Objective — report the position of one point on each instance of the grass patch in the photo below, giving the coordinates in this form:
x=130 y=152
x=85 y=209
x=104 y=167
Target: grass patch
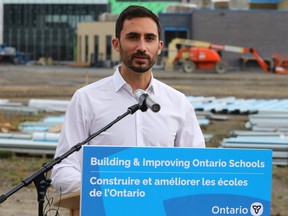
x=13 y=170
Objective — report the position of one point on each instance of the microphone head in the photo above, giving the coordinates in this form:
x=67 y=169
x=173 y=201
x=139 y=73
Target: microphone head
x=138 y=93
x=155 y=107
x=145 y=101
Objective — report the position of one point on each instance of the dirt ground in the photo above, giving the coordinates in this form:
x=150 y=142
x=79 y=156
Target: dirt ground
x=21 y=83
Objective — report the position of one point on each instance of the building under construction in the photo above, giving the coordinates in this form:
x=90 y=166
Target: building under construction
x=45 y=28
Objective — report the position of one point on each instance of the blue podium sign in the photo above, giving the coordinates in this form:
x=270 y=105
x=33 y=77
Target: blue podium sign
x=136 y=181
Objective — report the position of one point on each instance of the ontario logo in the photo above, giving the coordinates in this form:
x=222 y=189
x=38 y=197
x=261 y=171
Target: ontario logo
x=256 y=209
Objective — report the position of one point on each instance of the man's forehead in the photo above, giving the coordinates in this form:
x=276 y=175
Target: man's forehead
x=140 y=25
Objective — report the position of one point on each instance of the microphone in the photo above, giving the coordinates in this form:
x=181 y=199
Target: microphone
x=144 y=100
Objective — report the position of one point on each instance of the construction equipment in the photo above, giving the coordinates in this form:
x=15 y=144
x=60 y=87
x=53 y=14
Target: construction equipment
x=7 y=54
x=280 y=64
x=201 y=58
x=193 y=55
x=11 y=56
x=204 y=55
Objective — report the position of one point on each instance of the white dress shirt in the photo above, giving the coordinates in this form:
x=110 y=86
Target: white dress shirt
x=96 y=105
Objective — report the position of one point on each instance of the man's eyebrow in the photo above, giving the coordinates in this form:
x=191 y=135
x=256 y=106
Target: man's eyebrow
x=136 y=34
x=132 y=33
x=151 y=35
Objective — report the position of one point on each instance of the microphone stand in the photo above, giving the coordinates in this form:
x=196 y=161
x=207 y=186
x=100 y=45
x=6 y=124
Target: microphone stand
x=39 y=177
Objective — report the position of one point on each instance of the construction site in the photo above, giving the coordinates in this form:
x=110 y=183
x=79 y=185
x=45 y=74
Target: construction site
x=254 y=26
x=233 y=109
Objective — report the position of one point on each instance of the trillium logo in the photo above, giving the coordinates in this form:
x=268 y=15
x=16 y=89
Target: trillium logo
x=256 y=209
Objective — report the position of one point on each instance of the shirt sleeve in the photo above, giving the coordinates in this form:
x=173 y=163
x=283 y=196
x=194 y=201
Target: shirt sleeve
x=189 y=134
x=66 y=176
x=66 y=180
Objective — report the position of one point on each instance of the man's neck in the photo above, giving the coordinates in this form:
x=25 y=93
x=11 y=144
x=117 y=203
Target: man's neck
x=136 y=80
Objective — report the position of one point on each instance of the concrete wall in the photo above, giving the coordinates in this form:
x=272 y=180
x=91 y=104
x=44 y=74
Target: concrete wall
x=175 y=20
x=263 y=30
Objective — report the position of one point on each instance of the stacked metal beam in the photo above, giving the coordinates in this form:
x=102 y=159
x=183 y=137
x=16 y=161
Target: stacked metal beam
x=267 y=124
x=268 y=130
x=34 y=137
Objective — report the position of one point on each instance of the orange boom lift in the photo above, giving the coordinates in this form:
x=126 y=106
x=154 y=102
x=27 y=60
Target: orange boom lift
x=206 y=56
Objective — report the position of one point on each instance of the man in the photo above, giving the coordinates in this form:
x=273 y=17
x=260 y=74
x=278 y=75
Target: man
x=96 y=105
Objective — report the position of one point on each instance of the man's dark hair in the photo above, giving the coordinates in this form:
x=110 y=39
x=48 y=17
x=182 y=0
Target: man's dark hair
x=134 y=11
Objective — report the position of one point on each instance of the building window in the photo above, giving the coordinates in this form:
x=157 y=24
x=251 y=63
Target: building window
x=108 y=47
x=79 y=48
x=96 y=50
x=86 y=48
x=51 y=27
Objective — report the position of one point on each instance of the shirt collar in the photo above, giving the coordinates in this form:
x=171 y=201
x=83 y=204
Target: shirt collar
x=119 y=82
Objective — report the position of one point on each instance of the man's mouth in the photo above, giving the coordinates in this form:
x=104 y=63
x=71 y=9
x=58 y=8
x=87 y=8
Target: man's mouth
x=140 y=57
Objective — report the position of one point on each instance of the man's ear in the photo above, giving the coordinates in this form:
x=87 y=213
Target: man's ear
x=160 y=46
x=116 y=44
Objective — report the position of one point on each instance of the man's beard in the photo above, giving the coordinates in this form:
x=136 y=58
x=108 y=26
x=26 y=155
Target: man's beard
x=139 y=68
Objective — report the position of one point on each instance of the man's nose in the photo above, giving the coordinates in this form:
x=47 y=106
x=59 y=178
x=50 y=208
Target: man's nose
x=141 y=45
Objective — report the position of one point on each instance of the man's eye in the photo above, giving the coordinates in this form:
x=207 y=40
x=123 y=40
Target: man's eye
x=132 y=37
x=150 y=38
